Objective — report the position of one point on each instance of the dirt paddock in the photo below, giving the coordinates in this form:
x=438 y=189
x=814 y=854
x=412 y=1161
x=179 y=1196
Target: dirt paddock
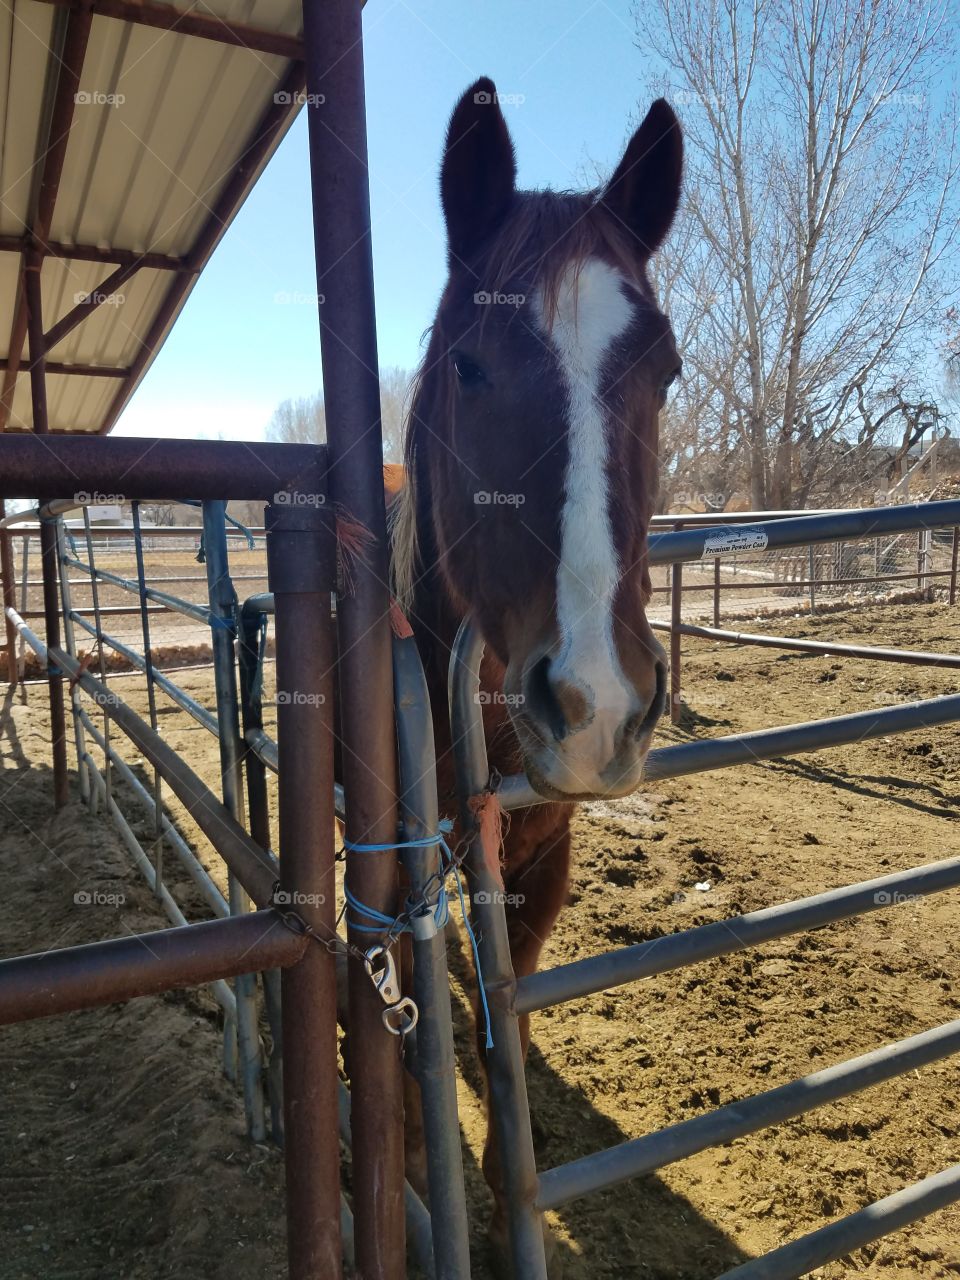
x=125 y=1154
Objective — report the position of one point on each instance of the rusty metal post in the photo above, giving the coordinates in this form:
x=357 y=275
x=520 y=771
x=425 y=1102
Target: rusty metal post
x=49 y=550
x=716 y=591
x=336 y=116
x=301 y=561
x=676 y=616
x=8 y=582
x=955 y=549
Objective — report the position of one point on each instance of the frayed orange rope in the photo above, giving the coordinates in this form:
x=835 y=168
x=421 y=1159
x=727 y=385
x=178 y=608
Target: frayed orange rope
x=490 y=819
x=399 y=622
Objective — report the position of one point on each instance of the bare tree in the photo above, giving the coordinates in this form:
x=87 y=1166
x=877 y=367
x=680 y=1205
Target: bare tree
x=300 y=421
x=304 y=420
x=810 y=270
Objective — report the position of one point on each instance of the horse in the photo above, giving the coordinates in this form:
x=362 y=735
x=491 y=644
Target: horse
x=528 y=482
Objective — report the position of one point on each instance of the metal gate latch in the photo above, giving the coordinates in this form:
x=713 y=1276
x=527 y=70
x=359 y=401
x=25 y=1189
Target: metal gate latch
x=401 y=1014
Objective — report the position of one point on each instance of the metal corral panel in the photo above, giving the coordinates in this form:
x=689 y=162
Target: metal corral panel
x=160 y=123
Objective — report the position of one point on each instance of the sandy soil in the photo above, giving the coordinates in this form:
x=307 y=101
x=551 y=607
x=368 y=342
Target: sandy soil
x=146 y=1156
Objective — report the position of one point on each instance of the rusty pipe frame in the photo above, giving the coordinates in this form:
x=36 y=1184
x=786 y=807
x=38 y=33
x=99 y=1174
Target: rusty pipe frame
x=336 y=116
x=61 y=466
x=8 y=584
x=301 y=560
x=253 y=867
x=99 y=973
x=49 y=542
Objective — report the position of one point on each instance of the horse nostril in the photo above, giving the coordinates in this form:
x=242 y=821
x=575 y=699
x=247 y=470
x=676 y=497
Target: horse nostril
x=542 y=704
x=659 y=700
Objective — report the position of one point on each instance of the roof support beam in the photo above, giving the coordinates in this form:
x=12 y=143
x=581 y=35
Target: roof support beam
x=55 y=370
x=70 y=64
x=93 y=253
x=104 y=292
x=207 y=26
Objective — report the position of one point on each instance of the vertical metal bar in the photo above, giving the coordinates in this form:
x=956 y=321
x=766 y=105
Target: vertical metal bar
x=920 y=560
x=436 y=1070
x=251 y=718
x=676 y=617
x=48 y=538
x=223 y=629
x=812 y=576
x=101 y=659
x=336 y=117
x=301 y=562
x=954 y=550
x=8 y=578
x=85 y=775
x=508 y=1087
x=151 y=690
x=24 y=593
x=716 y=591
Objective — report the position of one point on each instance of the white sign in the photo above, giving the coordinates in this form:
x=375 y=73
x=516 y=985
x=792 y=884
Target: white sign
x=731 y=541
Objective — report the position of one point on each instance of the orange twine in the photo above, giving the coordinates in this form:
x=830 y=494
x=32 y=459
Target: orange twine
x=490 y=818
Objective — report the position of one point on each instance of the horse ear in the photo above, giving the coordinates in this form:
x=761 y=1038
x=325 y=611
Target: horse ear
x=644 y=192
x=479 y=169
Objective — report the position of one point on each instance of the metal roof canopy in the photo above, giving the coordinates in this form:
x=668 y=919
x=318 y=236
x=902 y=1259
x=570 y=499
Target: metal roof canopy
x=131 y=134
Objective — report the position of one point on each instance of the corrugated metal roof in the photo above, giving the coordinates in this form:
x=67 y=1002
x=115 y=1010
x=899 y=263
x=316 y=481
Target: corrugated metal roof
x=168 y=133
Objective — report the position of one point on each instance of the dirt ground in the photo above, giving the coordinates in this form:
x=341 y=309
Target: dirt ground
x=126 y=1155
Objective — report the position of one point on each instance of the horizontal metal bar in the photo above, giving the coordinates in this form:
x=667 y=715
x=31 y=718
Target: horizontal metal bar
x=265 y=749
x=37 y=986
x=60 y=370
x=254 y=867
x=201 y=613
x=678 y=1141
x=723 y=937
x=61 y=466
x=789 y=739
x=92 y=253
x=173 y=691
x=835 y=1241
x=783 y=585
x=912 y=657
x=669 y=520
x=799 y=531
x=191 y=863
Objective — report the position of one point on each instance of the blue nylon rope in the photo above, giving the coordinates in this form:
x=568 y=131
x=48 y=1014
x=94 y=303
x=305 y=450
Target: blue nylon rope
x=442 y=912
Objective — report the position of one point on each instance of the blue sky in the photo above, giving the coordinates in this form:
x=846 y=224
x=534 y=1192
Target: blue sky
x=236 y=352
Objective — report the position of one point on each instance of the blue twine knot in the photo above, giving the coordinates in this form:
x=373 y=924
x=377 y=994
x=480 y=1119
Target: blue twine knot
x=381 y=921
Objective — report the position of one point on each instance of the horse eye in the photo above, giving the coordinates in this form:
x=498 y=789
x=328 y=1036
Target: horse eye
x=671 y=377
x=468 y=371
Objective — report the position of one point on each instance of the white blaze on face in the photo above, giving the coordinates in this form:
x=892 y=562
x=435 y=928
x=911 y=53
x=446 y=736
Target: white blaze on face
x=593 y=311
